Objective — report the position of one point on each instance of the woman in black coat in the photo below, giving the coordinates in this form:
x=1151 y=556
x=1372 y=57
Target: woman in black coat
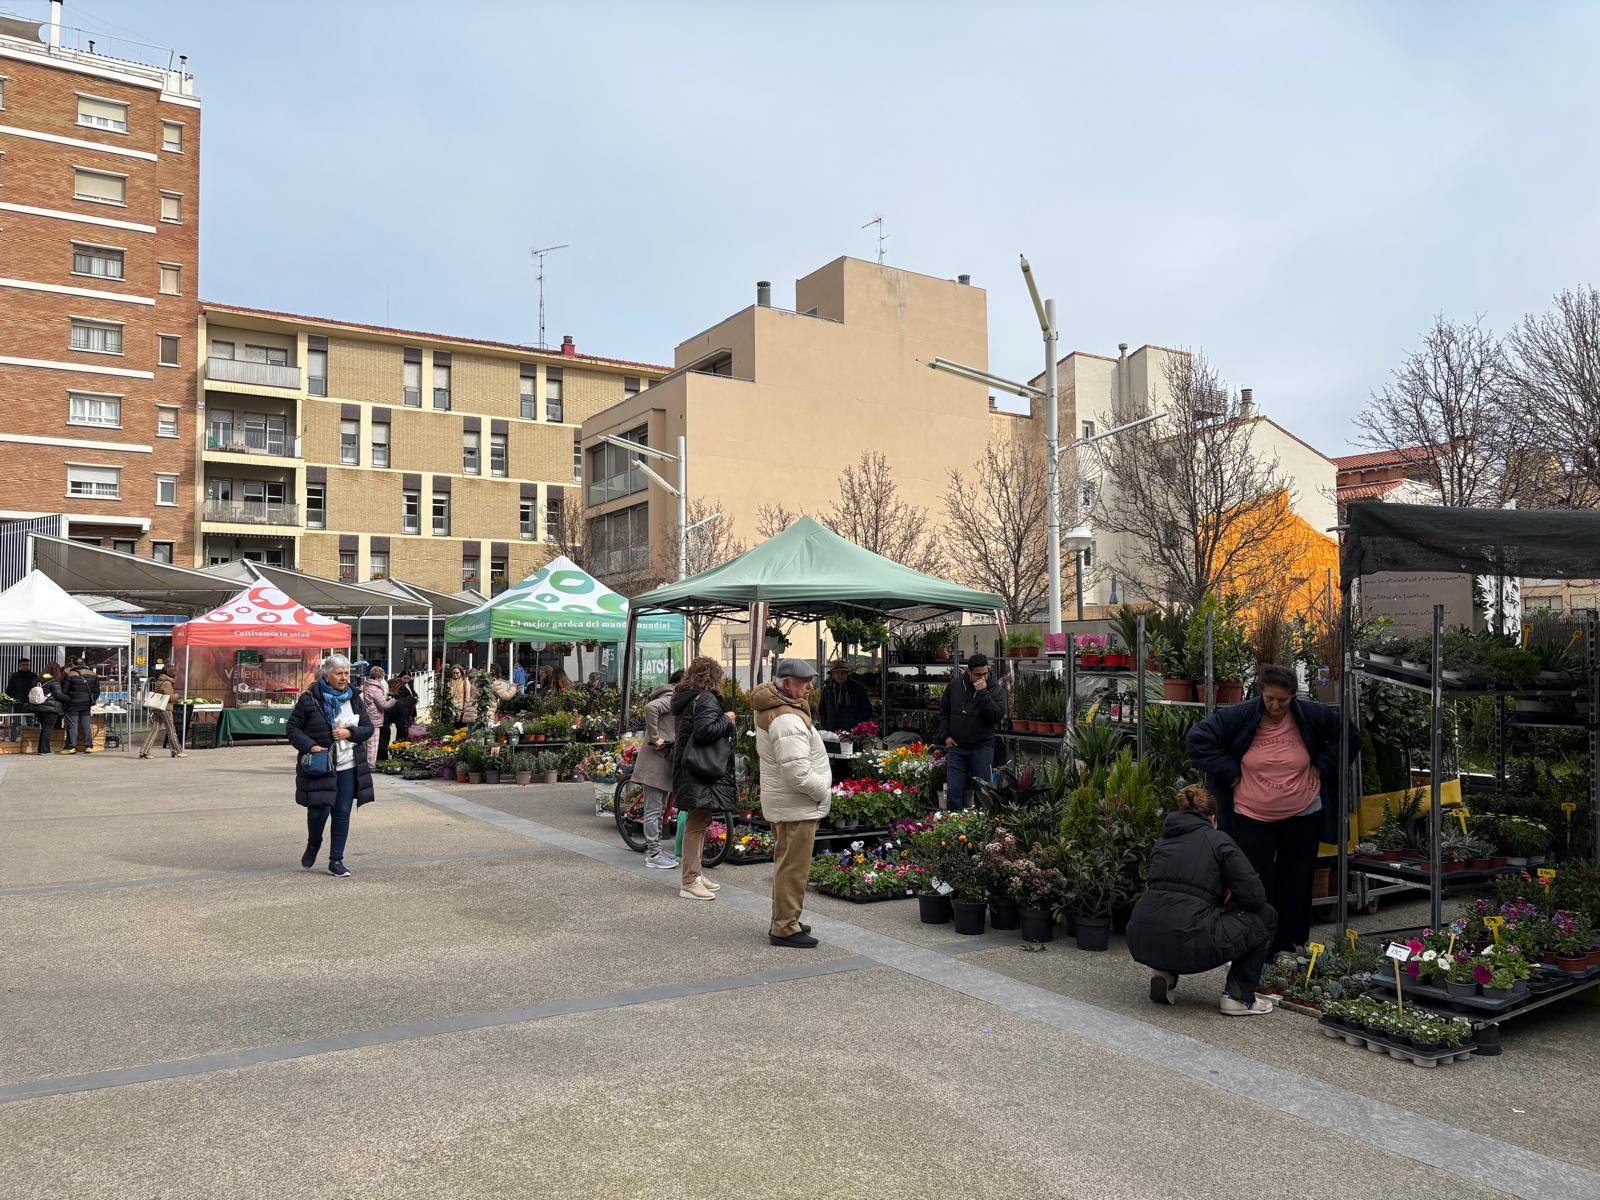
x=1272 y=763
x=702 y=766
x=1181 y=925
x=329 y=722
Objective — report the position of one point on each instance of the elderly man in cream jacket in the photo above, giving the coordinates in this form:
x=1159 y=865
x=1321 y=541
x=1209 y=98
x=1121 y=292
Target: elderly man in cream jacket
x=795 y=787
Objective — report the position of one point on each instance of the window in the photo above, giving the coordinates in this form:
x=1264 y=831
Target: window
x=221 y=349
x=630 y=385
x=411 y=382
x=1586 y=601
x=171 y=279
x=103 y=114
x=553 y=515
x=526 y=521
x=167 y=350
x=1088 y=429
x=99 y=187
x=552 y=395
x=166 y=421
x=380 y=443
x=220 y=489
x=102 y=483
x=172 y=137
x=441 y=383
x=577 y=456
x=469 y=452
x=316 y=505
x=441 y=514
x=619 y=541
x=161 y=552
x=497 y=454
x=497 y=572
x=99 y=337
x=167 y=490
x=347 y=566
x=380 y=565
x=528 y=392
x=613 y=471
x=469 y=570
x=102 y=262
x=276 y=356
x=2 y=91
x=124 y=545
x=317 y=372
x=90 y=408
x=410 y=512
x=350 y=442
x=172 y=208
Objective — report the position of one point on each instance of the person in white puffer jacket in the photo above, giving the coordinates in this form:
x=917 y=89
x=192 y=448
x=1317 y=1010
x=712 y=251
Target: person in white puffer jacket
x=796 y=788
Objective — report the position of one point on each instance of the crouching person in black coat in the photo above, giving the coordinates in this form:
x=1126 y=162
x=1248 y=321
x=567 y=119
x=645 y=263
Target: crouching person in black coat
x=1182 y=926
x=327 y=725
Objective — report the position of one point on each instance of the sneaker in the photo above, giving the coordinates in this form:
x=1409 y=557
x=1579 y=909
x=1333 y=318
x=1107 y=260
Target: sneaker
x=339 y=870
x=660 y=859
x=798 y=941
x=696 y=892
x=181 y=754
x=1162 y=985
x=144 y=756
x=309 y=858
x=707 y=884
x=1258 y=1007
x=89 y=750
x=69 y=751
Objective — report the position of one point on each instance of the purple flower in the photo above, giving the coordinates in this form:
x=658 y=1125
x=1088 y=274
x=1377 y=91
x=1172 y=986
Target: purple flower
x=1482 y=974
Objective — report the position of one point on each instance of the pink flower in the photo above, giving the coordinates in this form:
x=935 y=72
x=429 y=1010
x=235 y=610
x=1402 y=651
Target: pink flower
x=1482 y=974
x=1414 y=946
x=1413 y=969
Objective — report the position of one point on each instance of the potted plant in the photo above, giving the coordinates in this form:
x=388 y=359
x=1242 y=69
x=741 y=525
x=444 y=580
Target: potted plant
x=773 y=640
x=1038 y=886
x=471 y=753
x=1571 y=942
x=547 y=764
x=1094 y=873
x=1091 y=649
x=942 y=640
x=558 y=726
x=1390 y=836
x=1170 y=661
x=1459 y=978
x=1024 y=643
x=503 y=733
x=491 y=765
x=1230 y=647
x=1118 y=657
x=522 y=767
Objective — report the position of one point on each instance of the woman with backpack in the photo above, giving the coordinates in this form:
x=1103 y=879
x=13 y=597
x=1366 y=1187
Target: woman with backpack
x=702 y=767
x=48 y=702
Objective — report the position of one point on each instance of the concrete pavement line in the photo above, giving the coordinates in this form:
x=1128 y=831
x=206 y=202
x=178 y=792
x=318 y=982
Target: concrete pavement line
x=230 y=1060
x=112 y=885
x=1459 y=1152
x=13 y=819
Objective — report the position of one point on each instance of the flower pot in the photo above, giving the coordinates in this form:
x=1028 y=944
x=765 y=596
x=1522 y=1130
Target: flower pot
x=550 y=776
x=1230 y=693
x=934 y=909
x=1457 y=865
x=1094 y=933
x=1480 y=864
x=1023 y=726
x=1497 y=860
x=491 y=776
x=1119 y=662
x=1389 y=855
x=524 y=778
x=1037 y=925
x=461 y=775
x=1573 y=964
x=1090 y=660
x=1177 y=689
x=1469 y=988
x=1516 y=860
x=969 y=916
x=474 y=776
x=1058 y=728
x=846 y=747
x=1322 y=882
x=1003 y=913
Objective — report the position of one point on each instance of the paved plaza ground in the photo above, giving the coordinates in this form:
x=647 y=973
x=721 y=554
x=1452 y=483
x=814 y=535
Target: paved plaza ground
x=504 y=1002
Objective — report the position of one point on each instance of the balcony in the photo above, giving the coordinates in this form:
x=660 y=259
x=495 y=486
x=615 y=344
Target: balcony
x=252 y=512
x=253 y=374
x=628 y=483
x=256 y=442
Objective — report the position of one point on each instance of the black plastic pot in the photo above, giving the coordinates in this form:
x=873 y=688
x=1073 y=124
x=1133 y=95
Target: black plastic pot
x=934 y=910
x=1094 y=933
x=1038 y=925
x=969 y=917
x=1003 y=913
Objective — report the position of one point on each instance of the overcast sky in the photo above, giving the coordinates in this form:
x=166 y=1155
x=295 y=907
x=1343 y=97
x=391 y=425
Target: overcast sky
x=1295 y=188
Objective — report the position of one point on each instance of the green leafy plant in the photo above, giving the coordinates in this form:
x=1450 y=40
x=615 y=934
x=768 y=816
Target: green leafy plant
x=1024 y=639
x=1230 y=641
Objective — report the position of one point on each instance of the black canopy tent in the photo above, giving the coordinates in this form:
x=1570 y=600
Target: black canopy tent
x=1503 y=543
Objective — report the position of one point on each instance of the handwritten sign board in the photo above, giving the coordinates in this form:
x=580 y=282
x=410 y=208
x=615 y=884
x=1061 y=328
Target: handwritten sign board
x=1407 y=599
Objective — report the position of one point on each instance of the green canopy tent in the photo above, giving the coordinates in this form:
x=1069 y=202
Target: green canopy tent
x=560 y=602
x=805 y=573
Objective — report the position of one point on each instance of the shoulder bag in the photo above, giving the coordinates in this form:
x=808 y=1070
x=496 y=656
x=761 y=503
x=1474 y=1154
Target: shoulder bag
x=707 y=761
x=316 y=763
x=156 y=700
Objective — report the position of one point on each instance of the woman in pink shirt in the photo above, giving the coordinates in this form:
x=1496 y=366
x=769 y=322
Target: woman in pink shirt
x=1273 y=765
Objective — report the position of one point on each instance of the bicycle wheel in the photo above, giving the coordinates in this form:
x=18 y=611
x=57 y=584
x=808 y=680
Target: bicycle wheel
x=629 y=806
x=715 y=852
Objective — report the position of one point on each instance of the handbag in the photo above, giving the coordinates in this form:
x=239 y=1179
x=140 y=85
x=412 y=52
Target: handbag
x=707 y=761
x=156 y=700
x=315 y=763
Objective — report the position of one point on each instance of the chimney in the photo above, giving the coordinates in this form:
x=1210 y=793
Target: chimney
x=1247 y=403
x=55 y=23
x=568 y=350
x=964 y=279
x=764 y=293
x=1122 y=349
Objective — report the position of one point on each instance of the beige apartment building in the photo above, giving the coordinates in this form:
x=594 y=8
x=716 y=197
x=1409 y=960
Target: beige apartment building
x=775 y=402
x=355 y=451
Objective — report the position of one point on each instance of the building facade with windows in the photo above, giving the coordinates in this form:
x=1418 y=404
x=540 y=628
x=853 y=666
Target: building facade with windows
x=355 y=451
x=99 y=262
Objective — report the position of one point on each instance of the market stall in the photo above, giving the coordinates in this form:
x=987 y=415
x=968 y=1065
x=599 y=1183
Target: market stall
x=256 y=653
x=36 y=611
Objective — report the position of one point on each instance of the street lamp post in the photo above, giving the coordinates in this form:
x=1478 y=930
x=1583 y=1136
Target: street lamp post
x=681 y=491
x=1052 y=439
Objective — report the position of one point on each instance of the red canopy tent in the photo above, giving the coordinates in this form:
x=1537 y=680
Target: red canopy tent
x=281 y=640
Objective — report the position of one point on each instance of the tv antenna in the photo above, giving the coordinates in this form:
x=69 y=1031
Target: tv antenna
x=882 y=237
x=539 y=255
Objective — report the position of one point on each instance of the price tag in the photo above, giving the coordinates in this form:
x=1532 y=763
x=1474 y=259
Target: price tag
x=1351 y=936
x=1461 y=813
x=1547 y=874
x=1569 y=808
x=1494 y=924
x=1399 y=951
x=943 y=888
x=1316 y=948
x=1400 y=954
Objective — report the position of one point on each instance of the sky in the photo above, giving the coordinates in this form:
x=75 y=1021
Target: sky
x=1293 y=188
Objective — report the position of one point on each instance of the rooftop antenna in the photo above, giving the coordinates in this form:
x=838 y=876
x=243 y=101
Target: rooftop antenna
x=882 y=237
x=539 y=255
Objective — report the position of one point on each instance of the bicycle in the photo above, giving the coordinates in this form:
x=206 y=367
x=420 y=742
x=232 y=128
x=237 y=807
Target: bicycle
x=628 y=806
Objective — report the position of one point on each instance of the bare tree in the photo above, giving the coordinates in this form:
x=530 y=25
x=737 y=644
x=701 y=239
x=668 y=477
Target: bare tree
x=1198 y=508
x=1555 y=373
x=773 y=519
x=870 y=512
x=1444 y=413
x=997 y=515
x=709 y=545
x=569 y=533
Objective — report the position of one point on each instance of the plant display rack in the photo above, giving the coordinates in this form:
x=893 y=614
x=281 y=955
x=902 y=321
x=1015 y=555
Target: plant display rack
x=1382 y=1045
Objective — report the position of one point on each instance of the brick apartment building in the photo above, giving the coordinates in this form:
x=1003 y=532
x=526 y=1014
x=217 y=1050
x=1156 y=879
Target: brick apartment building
x=356 y=451
x=99 y=265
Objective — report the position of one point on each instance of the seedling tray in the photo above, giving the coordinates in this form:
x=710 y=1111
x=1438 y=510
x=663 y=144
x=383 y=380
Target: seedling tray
x=863 y=899
x=1383 y=1045
x=1437 y=997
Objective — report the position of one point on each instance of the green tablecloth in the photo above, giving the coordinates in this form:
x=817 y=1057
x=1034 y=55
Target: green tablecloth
x=269 y=722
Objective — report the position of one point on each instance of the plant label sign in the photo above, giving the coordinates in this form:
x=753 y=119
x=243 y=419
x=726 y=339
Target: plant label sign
x=1494 y=924
x=1399 y=952
x=1547 y=874
x=1462 y=814
x=1316 y=948
x=1352 y=937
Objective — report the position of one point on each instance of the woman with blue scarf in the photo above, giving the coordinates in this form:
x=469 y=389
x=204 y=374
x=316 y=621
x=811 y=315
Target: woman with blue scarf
x=330 y=777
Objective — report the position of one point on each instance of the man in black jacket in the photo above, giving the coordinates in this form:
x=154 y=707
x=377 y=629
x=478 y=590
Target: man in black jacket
x=82 y=687
x=969 y=715
x=845 y=703
x=23 y=680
